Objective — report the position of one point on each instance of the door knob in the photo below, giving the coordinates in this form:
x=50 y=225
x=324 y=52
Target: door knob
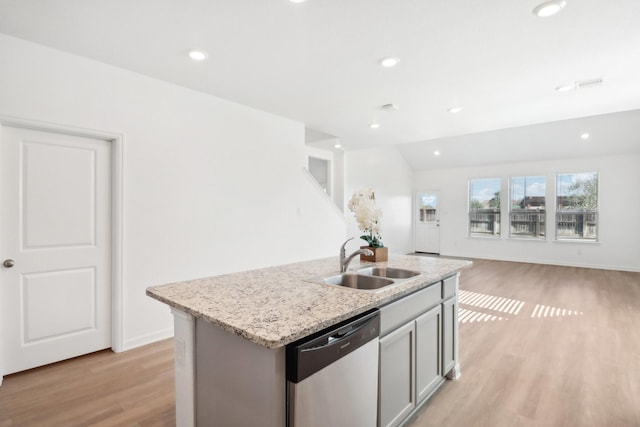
x=8 y=263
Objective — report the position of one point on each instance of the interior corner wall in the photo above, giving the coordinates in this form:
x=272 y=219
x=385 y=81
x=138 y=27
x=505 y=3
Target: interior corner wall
x=210 y=186
x=385 y=171
x=336 y=159
x=339 y=180
x=618 y=205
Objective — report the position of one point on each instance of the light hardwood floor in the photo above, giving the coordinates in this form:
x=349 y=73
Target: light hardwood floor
x=580 y=367
x=133 y=388
x=571 y=370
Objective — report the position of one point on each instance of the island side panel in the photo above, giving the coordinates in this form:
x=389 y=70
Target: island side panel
x=238 y=382
x=184 y=338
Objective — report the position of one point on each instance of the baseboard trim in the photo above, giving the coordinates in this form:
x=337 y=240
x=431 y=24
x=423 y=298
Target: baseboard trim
x=145 y=339
x=546 y=262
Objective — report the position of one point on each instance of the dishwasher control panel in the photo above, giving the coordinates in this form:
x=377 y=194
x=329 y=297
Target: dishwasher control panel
x=311 y=354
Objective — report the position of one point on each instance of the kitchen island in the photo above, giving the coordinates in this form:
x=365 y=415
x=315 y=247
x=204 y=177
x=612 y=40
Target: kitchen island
x=231 y=331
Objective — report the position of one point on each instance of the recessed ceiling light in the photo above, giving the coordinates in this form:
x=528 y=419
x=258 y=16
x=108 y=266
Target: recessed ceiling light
x=436 y=153
x=337 y=145
x=198 y=55
x=549 y=8
x=584 y=136
x=374 y=125
x=454 y=110
x=566 y=87
x=389 y=62
x=297 y=1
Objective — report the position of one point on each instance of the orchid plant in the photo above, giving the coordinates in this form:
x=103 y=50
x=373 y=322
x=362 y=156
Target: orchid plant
x=363 y=205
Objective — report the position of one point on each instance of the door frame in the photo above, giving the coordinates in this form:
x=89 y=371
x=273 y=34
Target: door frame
x=415 y=215
x=117 y=203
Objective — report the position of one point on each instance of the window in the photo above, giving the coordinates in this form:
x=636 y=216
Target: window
x=527 y=207
x=428 y=208
x=577 y=202
x=484 y=207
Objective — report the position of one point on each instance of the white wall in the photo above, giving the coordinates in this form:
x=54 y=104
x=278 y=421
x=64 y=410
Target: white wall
x=388 y=174
x=210 y=186
x=619 y=205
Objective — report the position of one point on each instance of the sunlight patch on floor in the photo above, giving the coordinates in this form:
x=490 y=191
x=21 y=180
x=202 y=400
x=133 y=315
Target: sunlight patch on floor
x=541 y=311
x=471 y=316
x=490 y=302
x=482 y=303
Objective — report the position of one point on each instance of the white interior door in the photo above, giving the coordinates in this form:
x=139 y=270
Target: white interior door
x=55 y=247
x=427 y=222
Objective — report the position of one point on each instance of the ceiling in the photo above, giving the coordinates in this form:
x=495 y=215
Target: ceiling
x=609 y=134
x=318 y=62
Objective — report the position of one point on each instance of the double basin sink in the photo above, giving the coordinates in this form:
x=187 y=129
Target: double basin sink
x=367 y=279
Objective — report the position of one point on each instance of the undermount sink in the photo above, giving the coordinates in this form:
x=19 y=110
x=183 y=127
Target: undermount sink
x=370 y=279
x=355 y=281
x=390 y=272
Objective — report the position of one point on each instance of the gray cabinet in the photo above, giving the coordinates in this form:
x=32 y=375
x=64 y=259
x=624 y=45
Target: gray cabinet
x=449 y=341
x=428 y=352
x=397 y=373
x=418 y=346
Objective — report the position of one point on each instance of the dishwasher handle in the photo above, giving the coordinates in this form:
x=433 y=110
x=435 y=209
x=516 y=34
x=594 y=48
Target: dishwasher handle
x=309 y=356
x=340 y=337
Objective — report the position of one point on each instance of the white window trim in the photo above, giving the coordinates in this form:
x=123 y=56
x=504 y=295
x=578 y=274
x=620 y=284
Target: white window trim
x=546 y=210
x=555 y=211
x=484 y=236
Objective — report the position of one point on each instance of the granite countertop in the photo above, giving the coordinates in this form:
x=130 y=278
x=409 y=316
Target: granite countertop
x=277 y=305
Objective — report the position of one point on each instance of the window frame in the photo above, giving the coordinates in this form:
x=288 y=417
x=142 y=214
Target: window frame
x=510 y=212
x=557 y=211
x=497 y=215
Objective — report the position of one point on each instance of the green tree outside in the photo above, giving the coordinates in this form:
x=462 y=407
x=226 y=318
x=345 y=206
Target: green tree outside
x=583 y=194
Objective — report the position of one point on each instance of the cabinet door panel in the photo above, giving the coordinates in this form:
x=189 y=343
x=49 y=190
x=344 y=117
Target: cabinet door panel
x=397 y=370
x=449 y=316
x=428 y=352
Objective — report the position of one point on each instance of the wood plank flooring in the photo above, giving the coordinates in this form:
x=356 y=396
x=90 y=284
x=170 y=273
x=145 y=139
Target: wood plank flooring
x=545 y=367
x=133 y=388
x=533 y=366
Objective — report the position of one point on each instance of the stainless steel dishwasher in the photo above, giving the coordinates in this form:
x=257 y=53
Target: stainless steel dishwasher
x=332 y=376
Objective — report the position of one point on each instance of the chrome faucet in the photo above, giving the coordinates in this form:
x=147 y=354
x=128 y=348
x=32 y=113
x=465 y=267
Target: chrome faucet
x=344 y=260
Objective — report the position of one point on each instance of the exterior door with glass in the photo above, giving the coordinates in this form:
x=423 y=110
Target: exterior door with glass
x=427 y=222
